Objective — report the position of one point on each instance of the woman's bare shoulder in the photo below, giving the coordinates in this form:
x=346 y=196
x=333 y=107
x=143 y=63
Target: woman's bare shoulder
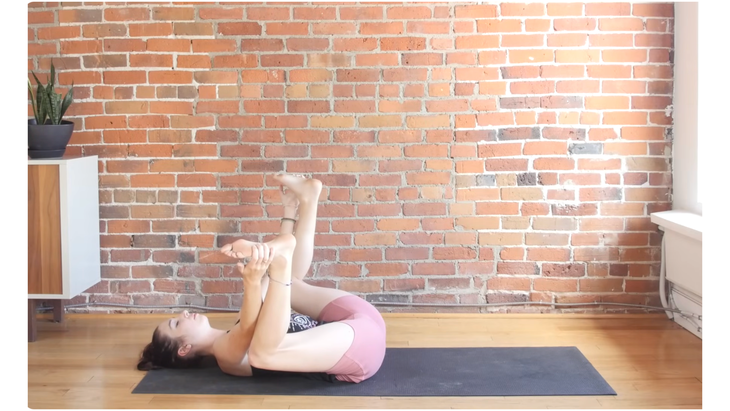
x=240 y=369
x=230 y=360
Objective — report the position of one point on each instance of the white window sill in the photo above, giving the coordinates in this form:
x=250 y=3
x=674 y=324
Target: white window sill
x=684 y=222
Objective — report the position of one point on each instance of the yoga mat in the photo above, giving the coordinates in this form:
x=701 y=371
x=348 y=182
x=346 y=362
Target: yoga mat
x=414 y=372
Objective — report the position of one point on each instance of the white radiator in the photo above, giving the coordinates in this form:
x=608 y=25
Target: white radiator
x=682 y=263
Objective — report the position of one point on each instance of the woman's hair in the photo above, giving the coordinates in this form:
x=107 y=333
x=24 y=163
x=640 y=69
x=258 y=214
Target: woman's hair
x=162 y=353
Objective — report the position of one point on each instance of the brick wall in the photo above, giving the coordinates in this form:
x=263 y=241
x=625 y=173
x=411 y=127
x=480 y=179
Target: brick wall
x=470 y=153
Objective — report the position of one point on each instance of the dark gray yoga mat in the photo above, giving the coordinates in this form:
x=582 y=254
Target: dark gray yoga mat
x=414 y=372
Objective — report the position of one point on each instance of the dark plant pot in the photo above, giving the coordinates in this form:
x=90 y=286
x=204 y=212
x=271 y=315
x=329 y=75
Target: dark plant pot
x=48 y=140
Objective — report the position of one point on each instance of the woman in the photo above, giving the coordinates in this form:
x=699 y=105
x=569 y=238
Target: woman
x=348 y=345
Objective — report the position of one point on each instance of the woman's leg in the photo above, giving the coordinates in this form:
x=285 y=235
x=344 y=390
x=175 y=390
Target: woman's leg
x=310 y=300
x=301 y=195
x=306 y=299
x=321 y=348
x=307 y=193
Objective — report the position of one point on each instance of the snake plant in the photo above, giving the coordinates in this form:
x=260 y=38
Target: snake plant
x=48 y=107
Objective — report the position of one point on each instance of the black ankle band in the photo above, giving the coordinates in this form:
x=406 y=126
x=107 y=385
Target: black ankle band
x=290 y=219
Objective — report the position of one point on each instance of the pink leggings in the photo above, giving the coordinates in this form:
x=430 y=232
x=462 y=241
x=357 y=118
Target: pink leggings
x=365 y=356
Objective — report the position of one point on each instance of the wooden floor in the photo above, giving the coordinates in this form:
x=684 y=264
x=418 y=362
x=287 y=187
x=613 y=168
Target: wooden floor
x=89 y=361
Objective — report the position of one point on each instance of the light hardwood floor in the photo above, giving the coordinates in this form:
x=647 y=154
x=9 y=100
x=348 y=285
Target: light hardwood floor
x=89 y=361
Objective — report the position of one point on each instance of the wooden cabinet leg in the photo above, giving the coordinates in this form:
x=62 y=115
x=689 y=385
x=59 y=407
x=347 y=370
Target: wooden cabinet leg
x=32 y=322
x=58 y=309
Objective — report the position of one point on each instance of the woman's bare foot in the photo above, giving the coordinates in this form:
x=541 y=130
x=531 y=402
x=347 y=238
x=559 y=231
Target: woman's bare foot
x=244 y=249
x=306 y=190
x=289 y=199
x=255 y=269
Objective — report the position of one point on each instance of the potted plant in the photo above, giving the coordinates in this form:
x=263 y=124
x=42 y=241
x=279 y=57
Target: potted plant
x=48 y=132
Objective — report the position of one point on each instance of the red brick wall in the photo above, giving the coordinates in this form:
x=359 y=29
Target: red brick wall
x=470 y=153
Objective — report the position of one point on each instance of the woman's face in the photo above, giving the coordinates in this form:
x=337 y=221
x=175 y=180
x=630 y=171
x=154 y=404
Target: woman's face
x=186 y=326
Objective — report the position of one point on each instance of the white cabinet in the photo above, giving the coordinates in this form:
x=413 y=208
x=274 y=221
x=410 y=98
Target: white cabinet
x=63 y=229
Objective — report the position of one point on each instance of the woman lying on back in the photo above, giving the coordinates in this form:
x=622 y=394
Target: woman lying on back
x=348 y=344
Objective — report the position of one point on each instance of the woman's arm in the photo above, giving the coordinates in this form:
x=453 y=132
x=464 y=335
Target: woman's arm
x=233 y=347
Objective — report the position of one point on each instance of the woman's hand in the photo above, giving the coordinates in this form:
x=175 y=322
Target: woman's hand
x=261 y=258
